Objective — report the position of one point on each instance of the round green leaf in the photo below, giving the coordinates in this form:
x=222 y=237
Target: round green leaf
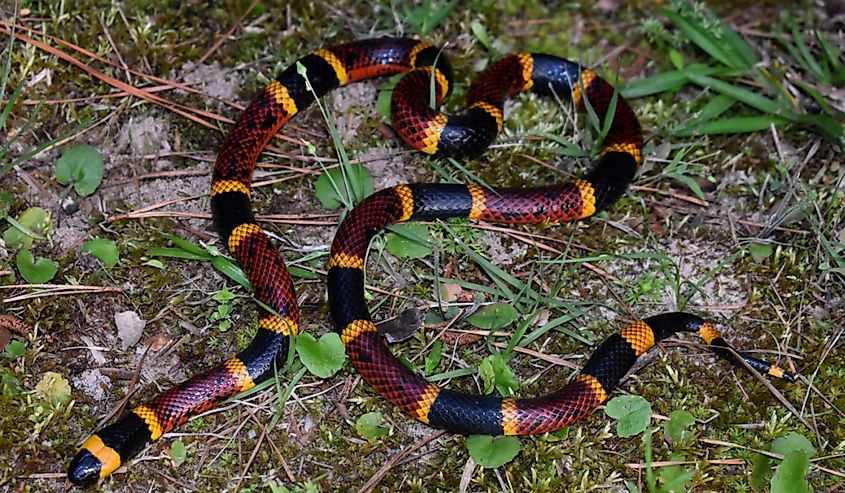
x=495 y=316
x=491 y=452
x=790 y=475
x=323 y=358
x=178 y=453
x=760 y=251
x=15 y=348
x=81 y=165
x=32 y=223
x=793 y=441
x=408 y=241
x=105 y=250
x=369 y=426
x=334 y=187
x=678 y=422
x=35 y=272
x=633 y=413
x=10 y=384
x=761 y=470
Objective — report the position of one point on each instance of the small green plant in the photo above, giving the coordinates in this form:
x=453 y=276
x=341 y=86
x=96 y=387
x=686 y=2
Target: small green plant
x=14 y=348
x=831 y=241
x=649 y=286
x=50 y=400
x=12 y=136
x=676 y=426
x=343 y=186
x=323 y=357
x=9 y=384
x=427 y=15
x=760 y=251
x=490 y=452
x=463 y=236
x=82 y=167
x=790 y=475
x=828 y=68
x=32 y=224
x=224 y=299
x=307 y=487
x=103 y=249
x=54 y=388
x=633 y=413
x=495 y=373
x=346 y=185
x=35 y=271
x=483 y=36
x=494 y=316
x=434 y=357
x=684 y=172
x=369 y=426
x=408 y=241
x=672 y=479
x=178 y=452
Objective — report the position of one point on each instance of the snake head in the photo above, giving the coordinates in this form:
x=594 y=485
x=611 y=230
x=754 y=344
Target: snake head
x=84 y=469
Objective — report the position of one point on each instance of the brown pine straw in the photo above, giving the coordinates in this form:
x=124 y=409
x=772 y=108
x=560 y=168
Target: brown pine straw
x=198 y=116
x=55 y=290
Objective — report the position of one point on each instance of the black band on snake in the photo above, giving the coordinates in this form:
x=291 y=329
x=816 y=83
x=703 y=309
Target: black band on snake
x=431 y=132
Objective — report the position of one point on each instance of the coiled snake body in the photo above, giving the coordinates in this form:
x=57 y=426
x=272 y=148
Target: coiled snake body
x=433 y=133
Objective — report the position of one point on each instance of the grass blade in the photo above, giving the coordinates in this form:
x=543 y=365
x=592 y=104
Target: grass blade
x=567 y=148
x=709 y=111
x=807 y=60
x=704 y=39
x=746 y=96
x=740 y=124
x=733 y=39
x=171 y=252
x=10 y=104
x=826 y=125
x=7 y=67
x=666 y=81
x=44 y=145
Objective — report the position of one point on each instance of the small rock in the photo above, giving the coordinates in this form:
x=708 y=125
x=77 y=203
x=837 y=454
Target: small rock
x=93 y=384
x=129 y=328
x=69 y=206
x=309 y=425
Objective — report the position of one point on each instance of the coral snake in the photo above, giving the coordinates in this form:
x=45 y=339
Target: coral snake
x=437 y=134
